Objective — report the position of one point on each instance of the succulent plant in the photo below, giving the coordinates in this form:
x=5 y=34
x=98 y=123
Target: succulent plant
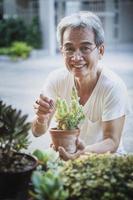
x=13 y=129
x=46 y=180
x=13 y=133
x=68 y=116
x=103 y=177
x=48 y=186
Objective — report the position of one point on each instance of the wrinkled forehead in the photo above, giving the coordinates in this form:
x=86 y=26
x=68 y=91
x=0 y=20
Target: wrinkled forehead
x=78 y=35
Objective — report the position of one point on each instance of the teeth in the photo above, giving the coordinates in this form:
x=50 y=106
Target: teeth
x=79 y=66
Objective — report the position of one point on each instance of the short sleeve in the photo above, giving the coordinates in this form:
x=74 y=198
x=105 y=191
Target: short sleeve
x=116 y=102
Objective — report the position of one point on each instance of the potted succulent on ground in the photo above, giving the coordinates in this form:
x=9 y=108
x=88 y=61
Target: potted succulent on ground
x=15 y=167
x=68 y=117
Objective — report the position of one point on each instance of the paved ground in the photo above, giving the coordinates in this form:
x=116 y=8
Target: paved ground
x=21 y=82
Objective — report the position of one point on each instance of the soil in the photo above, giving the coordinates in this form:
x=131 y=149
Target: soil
x=17 y=163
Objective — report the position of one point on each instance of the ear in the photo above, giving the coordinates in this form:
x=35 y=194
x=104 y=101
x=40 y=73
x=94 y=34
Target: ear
x=101 y=51
x=61 y=50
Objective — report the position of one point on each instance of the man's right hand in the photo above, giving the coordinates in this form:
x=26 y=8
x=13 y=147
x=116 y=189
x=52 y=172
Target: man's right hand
x=44 y=108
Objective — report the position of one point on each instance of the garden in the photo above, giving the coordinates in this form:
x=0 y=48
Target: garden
x=45 y=176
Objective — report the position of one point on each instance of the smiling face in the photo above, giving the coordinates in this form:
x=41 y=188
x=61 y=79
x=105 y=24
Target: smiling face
x=80 y=52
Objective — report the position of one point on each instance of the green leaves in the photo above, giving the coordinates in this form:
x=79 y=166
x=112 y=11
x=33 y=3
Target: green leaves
x=15 y=29
x=48 y=186
x=47 y=159
x=46 y=180
x=102 y=177
x=20 y=49
x=69 y=116
x=90 y=177
x=13 y=129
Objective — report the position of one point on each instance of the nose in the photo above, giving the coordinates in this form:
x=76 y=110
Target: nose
x=77 y=55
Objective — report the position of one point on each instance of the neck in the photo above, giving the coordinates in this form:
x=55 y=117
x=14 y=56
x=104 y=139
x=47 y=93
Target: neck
x=87 y=83
x=86 y=86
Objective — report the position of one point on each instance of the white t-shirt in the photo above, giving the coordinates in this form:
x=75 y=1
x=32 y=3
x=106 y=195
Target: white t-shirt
x=108 y=101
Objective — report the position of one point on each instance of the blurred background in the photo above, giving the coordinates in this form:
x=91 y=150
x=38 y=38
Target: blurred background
x=35 y=21
x=29 y=50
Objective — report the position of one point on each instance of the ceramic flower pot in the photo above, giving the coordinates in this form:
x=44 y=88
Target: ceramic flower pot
x=65 y=138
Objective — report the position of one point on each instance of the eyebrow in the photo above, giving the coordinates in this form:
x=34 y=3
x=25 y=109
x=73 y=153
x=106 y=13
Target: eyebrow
x=87 y=43
x=82 y=43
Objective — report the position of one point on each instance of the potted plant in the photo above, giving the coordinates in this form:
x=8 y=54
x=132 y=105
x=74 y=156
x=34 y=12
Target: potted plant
x=15 y=167
x=68 y=117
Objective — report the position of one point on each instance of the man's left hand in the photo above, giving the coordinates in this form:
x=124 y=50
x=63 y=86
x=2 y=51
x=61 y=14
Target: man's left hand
x=68 y=156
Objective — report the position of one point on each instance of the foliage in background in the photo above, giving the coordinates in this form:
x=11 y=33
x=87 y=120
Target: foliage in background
x=17 y=50
x=12 y=30
x=102 y=177
x=15 y=29
x=69 y=116
x=34 y=36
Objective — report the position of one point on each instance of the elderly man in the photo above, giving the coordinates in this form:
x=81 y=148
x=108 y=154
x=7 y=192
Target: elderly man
x=102 y=93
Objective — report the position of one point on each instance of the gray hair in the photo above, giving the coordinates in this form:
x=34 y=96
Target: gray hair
x=84 y=20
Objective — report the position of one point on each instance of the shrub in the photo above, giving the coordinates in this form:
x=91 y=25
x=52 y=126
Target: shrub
x=12 y=30
x=17 y=50
x=20 y=49
x=102 y=177
x=34 y=36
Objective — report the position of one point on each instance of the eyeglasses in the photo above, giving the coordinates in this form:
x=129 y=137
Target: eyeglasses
x=84 y=50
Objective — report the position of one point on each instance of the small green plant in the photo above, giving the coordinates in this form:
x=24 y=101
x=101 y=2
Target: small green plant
x=20 y=49
x=17 y=50
x=46 y=180
x=13 y=134
x=48 y=186
x=47 y=159
x=102 y=177
x=69 y=116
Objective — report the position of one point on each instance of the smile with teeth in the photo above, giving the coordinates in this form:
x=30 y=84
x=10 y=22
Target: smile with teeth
x=79 y=66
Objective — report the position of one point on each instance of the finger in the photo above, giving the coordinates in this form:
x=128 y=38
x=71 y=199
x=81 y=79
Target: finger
x=42 y=106
x=42 y=111
x=44 y=98
x=53 y=147
x=63 y=154
x=44 y=103
x=49 y=101
x=80 y=144
x=42 y=117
